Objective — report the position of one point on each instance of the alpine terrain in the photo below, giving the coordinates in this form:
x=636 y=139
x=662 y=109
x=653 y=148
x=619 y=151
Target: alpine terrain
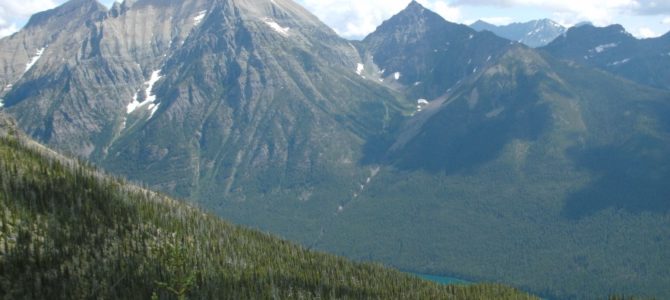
x=536 y=33
x=427 y=146
x=612 y=49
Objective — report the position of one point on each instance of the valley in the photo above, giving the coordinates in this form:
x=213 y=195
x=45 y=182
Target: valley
x=427 y=146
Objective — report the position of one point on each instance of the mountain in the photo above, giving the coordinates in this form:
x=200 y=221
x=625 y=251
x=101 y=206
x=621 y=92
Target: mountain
x=69 y=232
x=534 y=34
x=424 y=55
x=427 y=146
x=612 y=49
x=235 y=104
x=532 y=165
x=529 y=158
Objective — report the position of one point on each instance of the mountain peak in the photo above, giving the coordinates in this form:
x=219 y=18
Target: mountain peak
x=414 y=15
x=481 y=22
x=588 y=31
x=416 y=9
x=413 y=3
x=68 y=11
x=535 y=33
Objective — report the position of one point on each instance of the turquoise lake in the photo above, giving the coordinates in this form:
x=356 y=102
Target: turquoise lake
x=442 y=280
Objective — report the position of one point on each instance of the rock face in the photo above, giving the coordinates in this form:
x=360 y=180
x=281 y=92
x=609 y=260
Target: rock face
x=428 y=145
x=7 y=125
x=614 y=50
x=232 y=103
x=426 y=54
x=534 y=34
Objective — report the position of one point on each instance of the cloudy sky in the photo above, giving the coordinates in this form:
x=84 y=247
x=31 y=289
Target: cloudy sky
x=356 y=18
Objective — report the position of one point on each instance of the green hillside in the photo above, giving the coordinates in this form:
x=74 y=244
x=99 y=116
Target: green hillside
x=550 y=176
x=68 y=232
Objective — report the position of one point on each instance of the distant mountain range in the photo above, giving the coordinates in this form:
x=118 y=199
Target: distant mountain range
x=612 y=49
x=535 y=33
x=428 y=145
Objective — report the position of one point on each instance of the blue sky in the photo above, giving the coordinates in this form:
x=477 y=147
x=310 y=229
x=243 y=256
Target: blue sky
x=356 y=18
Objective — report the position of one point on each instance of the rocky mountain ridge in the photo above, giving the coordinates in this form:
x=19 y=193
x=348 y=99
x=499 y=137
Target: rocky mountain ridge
x=536 y=33
x=612 y=49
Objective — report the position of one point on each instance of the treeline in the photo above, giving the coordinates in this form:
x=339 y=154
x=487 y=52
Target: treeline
x=68 y=232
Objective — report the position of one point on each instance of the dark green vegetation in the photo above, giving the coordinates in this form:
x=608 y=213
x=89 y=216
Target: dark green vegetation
x=67 y=232
x=532 y=173
x=526 y=169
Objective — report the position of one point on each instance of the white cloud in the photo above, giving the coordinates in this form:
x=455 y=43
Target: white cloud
x=8 y=30
x=13 y=13
x=666 y=21
x=499 y=21
x=443 y=9
x=570 y=11
x=646 y=32
x=356 y=18
x=653 y=7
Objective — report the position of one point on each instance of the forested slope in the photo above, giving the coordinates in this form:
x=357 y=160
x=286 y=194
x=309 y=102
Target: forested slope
x=69 y=232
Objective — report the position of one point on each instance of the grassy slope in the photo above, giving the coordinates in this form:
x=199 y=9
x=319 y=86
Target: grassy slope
x=67 y=232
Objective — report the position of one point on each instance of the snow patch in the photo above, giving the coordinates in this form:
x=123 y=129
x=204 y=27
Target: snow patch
x=396 y=75
x=132 y=106
x=2 y=103
x=153 y=108
x=474 y=70
x=34 y=59
x=360 y=68
x=155 y=77
x=471 y=36
x=494 y=113
x=374 y=171
x=420 y=104
x=151 y=98
x=417 y=83
x=602 y=48
x=489 y=58
x=621 y=62
x=276 y=27
x=199 y=17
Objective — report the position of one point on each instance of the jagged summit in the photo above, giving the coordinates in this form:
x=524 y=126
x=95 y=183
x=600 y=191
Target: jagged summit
x=414 y=5
x=421 y=51
x=413 y=14
x=71 y=11
x=534 y=33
